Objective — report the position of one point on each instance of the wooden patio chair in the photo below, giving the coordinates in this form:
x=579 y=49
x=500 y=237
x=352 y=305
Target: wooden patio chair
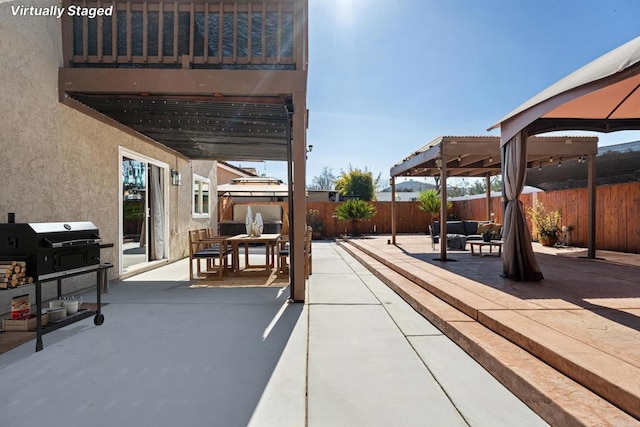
x=214 y=250
x=282 y=248
x=283 y=254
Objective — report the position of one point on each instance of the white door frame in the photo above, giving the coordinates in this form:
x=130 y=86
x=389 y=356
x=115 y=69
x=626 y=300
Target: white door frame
x=125 y=152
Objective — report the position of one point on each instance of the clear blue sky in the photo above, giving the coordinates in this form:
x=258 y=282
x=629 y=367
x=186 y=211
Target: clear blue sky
x=388 y=76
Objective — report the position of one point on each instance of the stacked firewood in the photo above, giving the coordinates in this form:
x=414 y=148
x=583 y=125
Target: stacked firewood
x=13 y=274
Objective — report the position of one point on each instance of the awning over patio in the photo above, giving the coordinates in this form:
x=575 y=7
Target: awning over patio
x=479 y=156
x=602 y=96
x=203 y=127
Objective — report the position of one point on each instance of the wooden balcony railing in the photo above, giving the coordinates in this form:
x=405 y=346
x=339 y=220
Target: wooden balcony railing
x=187 y=34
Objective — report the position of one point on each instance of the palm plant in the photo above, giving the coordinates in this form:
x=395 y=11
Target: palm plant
x=429 y=201
x=355 y=211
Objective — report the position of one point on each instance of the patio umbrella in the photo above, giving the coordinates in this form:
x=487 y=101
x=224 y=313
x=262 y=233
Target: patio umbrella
x=602 y=96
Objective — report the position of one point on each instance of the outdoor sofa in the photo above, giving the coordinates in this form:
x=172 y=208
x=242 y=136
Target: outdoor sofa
x=271 y=218
x=469 y=229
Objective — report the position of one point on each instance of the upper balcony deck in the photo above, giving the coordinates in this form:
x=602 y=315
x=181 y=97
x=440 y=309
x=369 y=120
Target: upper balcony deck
x=193 y=34
x=243 y=62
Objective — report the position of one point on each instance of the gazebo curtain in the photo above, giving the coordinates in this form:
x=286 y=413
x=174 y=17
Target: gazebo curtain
x=519 y=262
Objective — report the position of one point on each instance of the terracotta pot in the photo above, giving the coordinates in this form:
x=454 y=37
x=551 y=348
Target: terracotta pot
x=548 y=241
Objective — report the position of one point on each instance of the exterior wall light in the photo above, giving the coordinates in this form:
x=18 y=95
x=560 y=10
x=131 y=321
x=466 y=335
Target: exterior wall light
x=176 y=178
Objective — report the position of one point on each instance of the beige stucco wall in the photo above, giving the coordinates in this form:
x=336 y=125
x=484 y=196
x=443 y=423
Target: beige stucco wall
x=59 y=164
x=225 y=176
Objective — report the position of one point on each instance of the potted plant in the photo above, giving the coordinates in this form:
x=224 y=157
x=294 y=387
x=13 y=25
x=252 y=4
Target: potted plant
x=355 y=210
x=547 y=223
x=314 y=220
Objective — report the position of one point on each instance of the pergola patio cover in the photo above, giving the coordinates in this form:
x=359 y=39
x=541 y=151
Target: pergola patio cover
x=602 y=96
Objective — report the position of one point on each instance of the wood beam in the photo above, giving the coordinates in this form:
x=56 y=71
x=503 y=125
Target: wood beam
x=181 y=82
x=416 y=161
x=299 y=194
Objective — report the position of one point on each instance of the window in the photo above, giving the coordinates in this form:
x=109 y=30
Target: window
x=200 y=196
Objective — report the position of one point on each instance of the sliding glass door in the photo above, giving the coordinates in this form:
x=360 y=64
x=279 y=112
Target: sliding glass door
x=143 y=216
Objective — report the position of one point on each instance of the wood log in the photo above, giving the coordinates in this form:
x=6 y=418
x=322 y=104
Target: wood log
x=14 y=263
x=3 y=285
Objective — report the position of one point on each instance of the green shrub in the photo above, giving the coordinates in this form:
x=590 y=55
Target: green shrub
x=354 y=211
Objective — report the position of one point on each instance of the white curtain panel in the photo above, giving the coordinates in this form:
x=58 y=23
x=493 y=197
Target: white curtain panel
x=156 y=202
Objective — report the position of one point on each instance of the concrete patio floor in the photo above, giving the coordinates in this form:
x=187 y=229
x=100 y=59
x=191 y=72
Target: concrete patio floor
x=355 y=354
x=569 y=345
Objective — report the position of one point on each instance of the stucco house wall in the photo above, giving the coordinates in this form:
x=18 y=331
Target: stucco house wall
x=227 y=173
x=59 y=164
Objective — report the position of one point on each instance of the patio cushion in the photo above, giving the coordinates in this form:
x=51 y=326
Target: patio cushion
x=483 y=228
x=455 y=227
x=209 y=252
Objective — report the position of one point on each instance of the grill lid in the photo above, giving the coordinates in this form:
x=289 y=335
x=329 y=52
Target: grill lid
x=61 y=227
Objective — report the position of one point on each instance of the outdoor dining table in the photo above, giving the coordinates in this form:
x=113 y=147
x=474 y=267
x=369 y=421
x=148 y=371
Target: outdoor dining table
x=269 y=240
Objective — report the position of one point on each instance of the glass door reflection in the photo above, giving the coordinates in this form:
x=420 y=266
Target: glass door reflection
x=134 y=212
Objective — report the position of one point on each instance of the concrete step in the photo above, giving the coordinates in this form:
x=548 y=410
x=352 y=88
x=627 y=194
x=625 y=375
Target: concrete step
x=536 y=363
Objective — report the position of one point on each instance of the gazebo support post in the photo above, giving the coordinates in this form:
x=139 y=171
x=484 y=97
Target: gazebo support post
x=488 y=184
x=591 y=221
x=393 y=210
x=443 y=209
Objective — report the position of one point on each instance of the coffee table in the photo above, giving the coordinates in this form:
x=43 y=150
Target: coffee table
x=492 y=244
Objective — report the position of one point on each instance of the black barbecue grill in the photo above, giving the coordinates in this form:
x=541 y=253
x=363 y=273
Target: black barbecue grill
x=53 y=251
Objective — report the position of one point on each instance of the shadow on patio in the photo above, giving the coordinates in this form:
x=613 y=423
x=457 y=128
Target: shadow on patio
x=155 y=354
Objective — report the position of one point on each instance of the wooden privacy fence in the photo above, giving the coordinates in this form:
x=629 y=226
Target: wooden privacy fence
x=617 y=215
x=409 y=219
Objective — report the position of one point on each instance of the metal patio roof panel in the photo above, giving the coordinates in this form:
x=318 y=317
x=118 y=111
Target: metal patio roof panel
x=200 y=127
